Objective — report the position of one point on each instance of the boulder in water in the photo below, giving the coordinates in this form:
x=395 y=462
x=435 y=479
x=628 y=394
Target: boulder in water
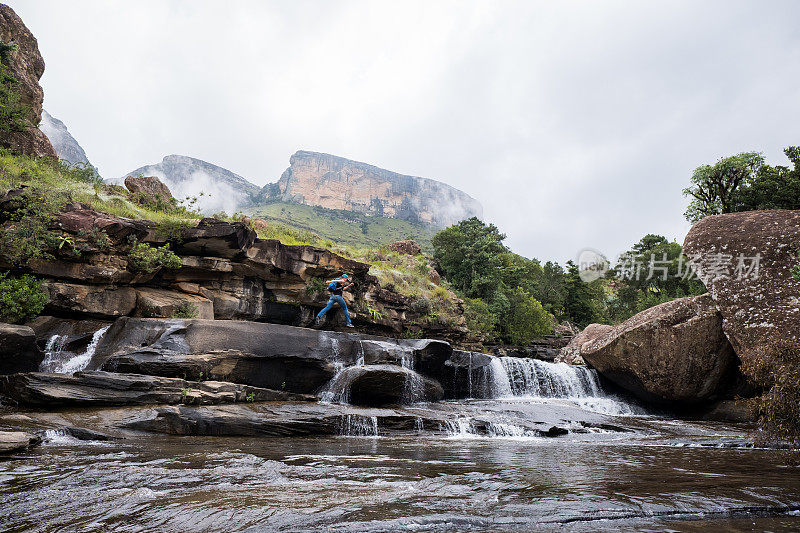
x=18 y=349
x=745 y=261
x=571 y=353
x=675 y=352
x=17 y=441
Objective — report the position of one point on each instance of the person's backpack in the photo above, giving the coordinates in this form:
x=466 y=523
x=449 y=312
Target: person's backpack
x=333 y=286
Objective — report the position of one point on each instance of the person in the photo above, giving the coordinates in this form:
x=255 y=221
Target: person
x=337 y=287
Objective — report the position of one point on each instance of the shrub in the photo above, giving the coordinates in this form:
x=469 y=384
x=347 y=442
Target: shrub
x=186 y=310
x=480 y=320
x=776 y=370
x=145 y=258
x=796 y=269
x=13 y=114
x=21 y=298
x=315 y=286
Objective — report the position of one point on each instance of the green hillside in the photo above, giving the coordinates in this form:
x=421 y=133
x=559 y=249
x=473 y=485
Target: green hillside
x=344 y=227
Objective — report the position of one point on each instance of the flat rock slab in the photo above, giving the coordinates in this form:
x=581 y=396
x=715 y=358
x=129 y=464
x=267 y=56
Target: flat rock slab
x=98 y=388
x=17 y=441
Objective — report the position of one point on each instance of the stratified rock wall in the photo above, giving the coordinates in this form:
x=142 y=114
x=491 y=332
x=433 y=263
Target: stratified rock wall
x=27 y=66
x=337 y=183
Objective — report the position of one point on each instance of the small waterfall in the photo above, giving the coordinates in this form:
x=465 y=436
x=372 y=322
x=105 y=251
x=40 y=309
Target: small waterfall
x=359 y=426
x=460 y=427
x=360 y=358
x=61 y=361
x=338 y=388
x=513 y=376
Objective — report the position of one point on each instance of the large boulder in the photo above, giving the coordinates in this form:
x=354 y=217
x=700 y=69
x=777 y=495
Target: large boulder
x=27 y=66
x=406 y=247
x=571 y=353
x=105 y=388
x=674 y=353
x=18 y=349
x=745 y=261
x=149 y=189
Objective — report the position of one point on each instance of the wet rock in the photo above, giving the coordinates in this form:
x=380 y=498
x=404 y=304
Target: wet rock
x=149 y=189
x=731 y=411
x=161 y=303
x=376 y=385
x=673 y=353
x=17 y=441
x=214 y=237
x=407 y=247
x=757 y=305
x=97 y=301
x=106 y=388
x=426 y=356
x=469 y=375
x=270 y=355
x=571 y=353
x=27 y=66
x=18 y=349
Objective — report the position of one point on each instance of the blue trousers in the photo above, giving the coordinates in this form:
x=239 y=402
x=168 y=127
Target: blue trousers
x=335 y=299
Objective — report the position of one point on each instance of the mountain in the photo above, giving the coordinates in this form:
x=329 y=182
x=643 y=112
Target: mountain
x=189 y=177
x=337 y=183
x=67 y=148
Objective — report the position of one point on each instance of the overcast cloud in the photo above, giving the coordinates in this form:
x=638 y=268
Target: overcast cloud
x=574 y=123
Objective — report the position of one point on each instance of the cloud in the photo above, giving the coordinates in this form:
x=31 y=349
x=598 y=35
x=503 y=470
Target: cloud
x=574 y=123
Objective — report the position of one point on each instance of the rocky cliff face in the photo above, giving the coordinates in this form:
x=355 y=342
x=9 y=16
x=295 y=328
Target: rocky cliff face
x=66 y=147
x=186 y=176
x=337 y=183
x=27 y=66
x=225 y=273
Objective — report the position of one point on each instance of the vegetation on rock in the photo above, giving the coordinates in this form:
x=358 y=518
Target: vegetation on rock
x=776 y=370
x=21 y=298
x=13 y=114
x=145 y=258
x=743 y=183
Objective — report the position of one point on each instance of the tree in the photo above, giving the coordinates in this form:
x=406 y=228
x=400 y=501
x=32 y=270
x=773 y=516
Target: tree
x=581 y=301
x=773 y=187
x=470 y=254
x=715 y=188
x=650 y=273
x=526 y=320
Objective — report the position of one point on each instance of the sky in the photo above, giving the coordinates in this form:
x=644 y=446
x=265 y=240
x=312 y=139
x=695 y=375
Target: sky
x=575 y=123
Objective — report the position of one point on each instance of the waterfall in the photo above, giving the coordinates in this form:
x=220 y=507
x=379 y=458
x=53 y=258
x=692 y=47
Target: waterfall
x=540 y=379
x=359 y=426
x=64 y=362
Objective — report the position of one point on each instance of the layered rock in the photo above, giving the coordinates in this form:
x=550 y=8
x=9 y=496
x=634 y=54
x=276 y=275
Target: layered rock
x=674 y=353
x=226 y=273
x=745 y=261
x=105 y=388
x=264 y=355
x=337 y=183
x=18 y=349
x=27 y=66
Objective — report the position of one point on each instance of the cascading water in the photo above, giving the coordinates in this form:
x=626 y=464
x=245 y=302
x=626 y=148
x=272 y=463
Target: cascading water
x=61 y=361
x=359 y=426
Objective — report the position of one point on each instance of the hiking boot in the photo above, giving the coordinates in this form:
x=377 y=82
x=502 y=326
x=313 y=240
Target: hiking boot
x=350 y=325
x=317 y=322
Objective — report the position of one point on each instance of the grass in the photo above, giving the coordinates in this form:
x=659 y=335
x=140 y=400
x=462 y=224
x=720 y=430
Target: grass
x=344 y=227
